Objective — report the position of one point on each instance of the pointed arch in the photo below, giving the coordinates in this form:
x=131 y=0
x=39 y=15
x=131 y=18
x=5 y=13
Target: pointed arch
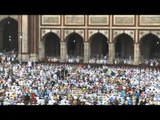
x=9 y=34
x=98 y=45
x=150 y=46
x=75 y=45
x=124 y=46
x=51 y=44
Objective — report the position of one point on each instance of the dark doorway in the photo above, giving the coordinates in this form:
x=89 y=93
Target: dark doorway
x=124 y=46
x=9 y=34
x=150 y=47
x=52 y=45
x=75 y=45
x=99 y=45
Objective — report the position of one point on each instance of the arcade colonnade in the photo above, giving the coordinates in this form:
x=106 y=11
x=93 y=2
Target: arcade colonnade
x=85 y=36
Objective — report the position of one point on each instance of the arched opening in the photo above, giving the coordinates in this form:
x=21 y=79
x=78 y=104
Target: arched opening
x=75 y=47
x=8 y=35
x=98 y=45
x=150 y=47
x=124 y=47
x=52 y=45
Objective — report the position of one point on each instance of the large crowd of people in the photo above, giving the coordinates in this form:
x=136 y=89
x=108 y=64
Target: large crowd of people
x=68 y=59
x=33 y=83
x=123 y=61
x=150 y=62
x=101 y=60
x=10 y=56
x=56 y=84
x=74 y=59
x=51 y=59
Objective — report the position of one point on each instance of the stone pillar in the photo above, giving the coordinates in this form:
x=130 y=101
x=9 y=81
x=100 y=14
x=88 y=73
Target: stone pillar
x=86 y=52
x=111 y=52
x=20 y=37
x=1 y=38
x=23 y=37
x=33 y=37
x=63 y=51
x=41 y=52
x=136 y=54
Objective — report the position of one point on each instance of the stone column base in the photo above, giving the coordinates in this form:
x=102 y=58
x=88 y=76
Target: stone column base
x=85 y=61
x=62 y=60
x=19 y=57
x=33 y=57
x=23 y=57
x=136 y=63
x=111 y=53
x=41 y=53
x=63 y=52
x=136 y=54
x=86 y=52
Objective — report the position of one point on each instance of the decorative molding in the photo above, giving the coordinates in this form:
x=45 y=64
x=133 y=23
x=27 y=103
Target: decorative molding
x=128 y=32
x=121 y=20
x=70 y=31
x=15 y=17
x=104 y=32
x=67 y=32
x=149 y=20
x=98 y=20
x=74 y=20
x=46 y=31
x=50 y=19
x=143 y=33
x=80 y=32
x=156 y=33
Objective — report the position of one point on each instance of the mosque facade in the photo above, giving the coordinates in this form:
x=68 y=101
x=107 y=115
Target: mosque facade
x=35 y=37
